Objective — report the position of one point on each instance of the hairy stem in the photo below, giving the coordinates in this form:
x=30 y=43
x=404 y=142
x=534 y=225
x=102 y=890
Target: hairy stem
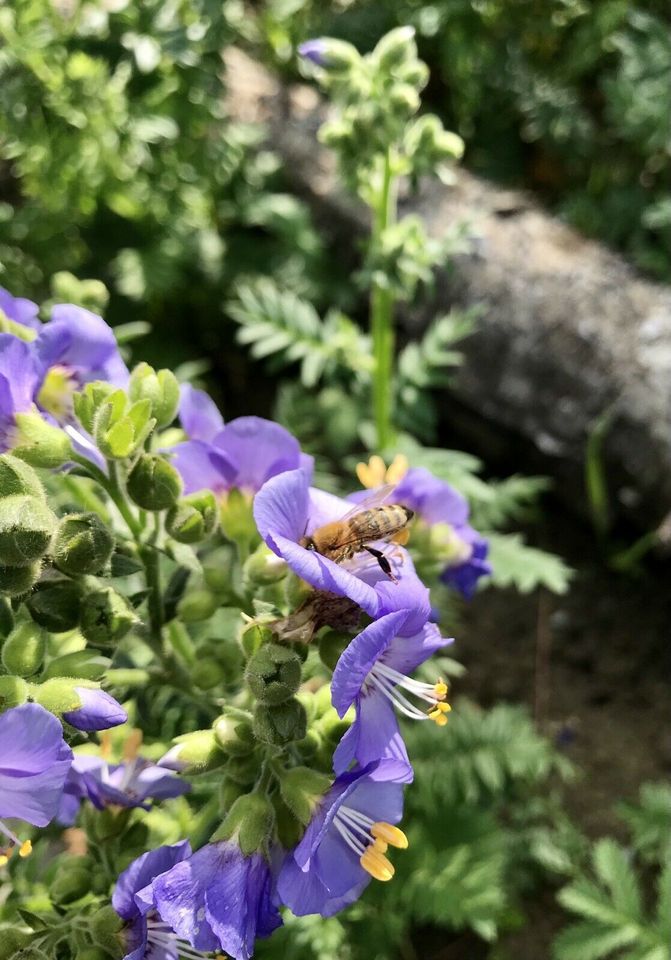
x=382 y=316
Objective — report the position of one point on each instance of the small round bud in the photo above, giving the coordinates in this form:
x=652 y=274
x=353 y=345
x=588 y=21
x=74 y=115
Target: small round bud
x=106 y=618
x=13 y=692
x=233 y=735
x=23 y=650
x=280 y=724
x=40 y=443
x=196 y=605
x=160 y=388
x=273 y=674
x=153 y=483
x=207 y=673
x=396 y=47
x=89 y=400
x=82 y=544
x=17 y=477
x=249 y=821
x=264 y=567
x=15 y=581
x=196 y=752
x=329 y=53
x=404 y=97
x=97 y=710
x=193 y=518
x=56 y=603
x=72 y=880
x=26 y=528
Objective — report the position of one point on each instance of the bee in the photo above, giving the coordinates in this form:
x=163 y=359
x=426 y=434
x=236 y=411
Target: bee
x=369 y=520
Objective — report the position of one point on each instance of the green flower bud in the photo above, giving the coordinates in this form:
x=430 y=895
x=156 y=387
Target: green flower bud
x=56 y=603
x=415 y=73
x=331 y=645
x=263 y=567
x=253 y=637
x=302 y=789
x=160 y=388
x=57 y=695
x=13 y=692
x=40 y=443
x=244 y=770
x=196 y=752
x=218 y=569
x=23 y=650
x=26 y=528
x=273 y=674
x=15 y=581
x=67 y=288
x=120 y=431
x=237 y=519
x=6 y=614
x=193 y=518
x=403 y=98
x=249 y=821
x=449 y=145
x=280 y=724
x=395 y=48
x=82 y=544
x=88 y=402
x=80 y=663
x=153 y=483
x=106 y=618
x=12 y=942
x=207 y=673
x=72 y=880
x=327 y=53
x=233 y=735
x=18 y=477
x=196 y=605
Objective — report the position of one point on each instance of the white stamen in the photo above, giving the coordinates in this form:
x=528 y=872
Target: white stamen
x=352 y=842
x=424 y=690
x=396 y=697
x=357 y=815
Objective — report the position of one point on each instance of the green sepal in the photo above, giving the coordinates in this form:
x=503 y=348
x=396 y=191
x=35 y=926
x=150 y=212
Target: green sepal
x=18 y=477
x=82 y=544
x=106 y=618
x=197 y=752
x=72 y=880
x=107 y=930
x=331 y=645
x=15 y=581
x=153 y=483
x=237 y=519
x=233 y=734
x=302 y=789
x=40 y=443
x=253 y=637
x=229 y=791
x=13 y=692
x=280 y=724
x=90 y=399
x=55 y=603
x=243 y=770
x=273 y=674
x=263 y=567
x=58 y=694
x=249 y=822
x=160 y=388
x=27 y=525
x=24 y=649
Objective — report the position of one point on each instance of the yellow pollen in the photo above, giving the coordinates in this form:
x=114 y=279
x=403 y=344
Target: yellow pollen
x=397 y=469
x=4 y=859
x=25 y=849
x=56 y=392
x=380 y=845
x=375 y=472
x=390 y=834
x=438 y=718
x=440 y=689
x=376 y=864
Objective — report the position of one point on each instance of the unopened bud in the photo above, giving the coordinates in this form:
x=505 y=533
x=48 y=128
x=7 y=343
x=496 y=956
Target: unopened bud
x=119 y=430
x=40 y=443
x=196 y=605
x=395 y=48
x=13 y=692
x=237 y=519
x=264 y=567
x=55 y=603
x=302 y=789
x=207 y=673
x=90 y=399
x=18 y=477
x=23 y=650
x=153 y=483
x=26 y=528
x=57 y=695
x=253 y=637
x=82 y=544
x=329 y=53
x=280 y=724
x=233 y=735
x=97 y=710
x=249 y=821
x=229 y=791
x=196 y=752
x=15 y=581
x=193 y=518
x=273 y=674
x=106 y=618
x=161 y=388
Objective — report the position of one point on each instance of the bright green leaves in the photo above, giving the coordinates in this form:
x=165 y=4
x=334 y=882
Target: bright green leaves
x=118 y=426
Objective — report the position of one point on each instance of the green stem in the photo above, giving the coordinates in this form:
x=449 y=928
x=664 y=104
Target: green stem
x=113 y=487
x=152 y=568
x=382 y=316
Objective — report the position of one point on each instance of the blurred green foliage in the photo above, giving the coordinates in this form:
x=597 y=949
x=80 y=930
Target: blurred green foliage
x=569 y=97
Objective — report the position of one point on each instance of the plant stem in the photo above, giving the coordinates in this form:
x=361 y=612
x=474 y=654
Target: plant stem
x=382 y=316
x=150 y=558
x=113 y=487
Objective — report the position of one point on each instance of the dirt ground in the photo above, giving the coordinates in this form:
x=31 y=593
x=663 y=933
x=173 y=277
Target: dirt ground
x=596 y=662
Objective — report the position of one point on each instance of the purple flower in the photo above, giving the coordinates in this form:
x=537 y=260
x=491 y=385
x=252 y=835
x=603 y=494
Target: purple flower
x=19 y=310
x=129 y=784
x=314 y=50
x=19 y=381
x=83 y=344
x=345 y=843
x=34 y=762
x=372 y=673
x=218 y=899
x=243 y=453
x=286 y=509
x=146 y=935
x=97 y=710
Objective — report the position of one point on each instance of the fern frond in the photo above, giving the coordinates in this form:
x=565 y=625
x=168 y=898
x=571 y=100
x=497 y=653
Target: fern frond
x=650 y=821
x=515 y=564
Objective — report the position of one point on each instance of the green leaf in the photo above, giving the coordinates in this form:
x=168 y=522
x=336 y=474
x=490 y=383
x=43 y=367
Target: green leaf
x=515 y=564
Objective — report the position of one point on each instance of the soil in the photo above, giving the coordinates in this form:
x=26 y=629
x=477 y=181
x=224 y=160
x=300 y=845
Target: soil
x=595 y=668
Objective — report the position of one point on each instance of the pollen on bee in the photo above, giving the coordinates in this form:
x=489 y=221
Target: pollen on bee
x=390 y=834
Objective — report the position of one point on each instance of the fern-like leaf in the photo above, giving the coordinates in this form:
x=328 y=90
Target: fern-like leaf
x=515 y=564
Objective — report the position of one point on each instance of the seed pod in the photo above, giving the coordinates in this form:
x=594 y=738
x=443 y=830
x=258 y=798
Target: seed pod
x=153 y=483
x=82 y=544
x=273 y=674
x=26 y=528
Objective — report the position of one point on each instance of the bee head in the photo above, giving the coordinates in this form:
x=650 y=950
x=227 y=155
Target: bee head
x=307 y=542
x=409 y=514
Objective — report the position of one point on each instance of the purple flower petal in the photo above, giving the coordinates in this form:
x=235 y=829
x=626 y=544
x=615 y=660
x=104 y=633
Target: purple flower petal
x=140 y=873
x=405 y=654
x=81 y=340
x=98 y=711
x=19 y=382
x=356 y=661
x=19 y=309
x=261 y=448
x=202 y=466
x=199 y=414
x=374 y=735
x=314 y=50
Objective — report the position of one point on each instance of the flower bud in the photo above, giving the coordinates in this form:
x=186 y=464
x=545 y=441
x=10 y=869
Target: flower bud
x=153 y=483
x=40 y=443
x=57 y=695
x=404 y=98
x=302 y=789
x=273 y=674
x=23 y=650
x=120 y=431
x=72 y=880
x=196 y=752
x=26 y=527
x=15 y=581
x=18 y=477
x=6 y=615
x=196 y=605
x=264 y=567
x=396 y=47
x=280 y=724
x=13 y=692
x=329 y=53
x=218 y=569
x=82 y=544
x=160 y=388
x=237 y=519
x=106 y=618
x=90 y=399
x=87 y=664
x=233 y=735
x=97 y=710
x=249 y=821
x=193 y=518
x=55 y=603
x=207 y=673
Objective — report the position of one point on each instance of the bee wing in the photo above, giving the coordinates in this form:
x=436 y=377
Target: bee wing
x=376 y=498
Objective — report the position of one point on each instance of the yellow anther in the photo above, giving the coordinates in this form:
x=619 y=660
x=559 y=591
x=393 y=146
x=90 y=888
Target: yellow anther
x=4 y=860
x=390 y=834
x=56 y=392
x=380 y=845
x=438 y=718
x=376 y=864
x=25 y=849
x=371 y=474
x=440 y=689
x=397 y=469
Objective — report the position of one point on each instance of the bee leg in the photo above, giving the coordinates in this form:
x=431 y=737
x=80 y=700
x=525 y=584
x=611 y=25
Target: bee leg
x=382 y=560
